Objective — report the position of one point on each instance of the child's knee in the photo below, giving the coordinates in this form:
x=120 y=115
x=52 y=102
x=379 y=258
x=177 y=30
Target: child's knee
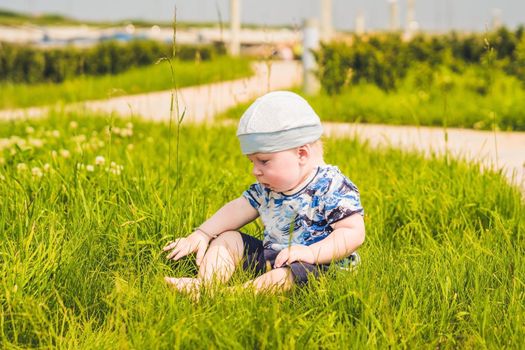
x=280 y=279
x=231 y=241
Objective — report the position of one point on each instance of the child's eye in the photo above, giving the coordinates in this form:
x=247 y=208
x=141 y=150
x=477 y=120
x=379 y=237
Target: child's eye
x=264 y=161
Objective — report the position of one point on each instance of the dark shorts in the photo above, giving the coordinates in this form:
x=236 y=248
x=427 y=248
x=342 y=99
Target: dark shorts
x=261 y=260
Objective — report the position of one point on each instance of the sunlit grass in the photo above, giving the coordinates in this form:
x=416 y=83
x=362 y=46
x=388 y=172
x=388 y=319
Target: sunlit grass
x=134 y=81
x=449 y=99
x=443 y=265
x=470 y=99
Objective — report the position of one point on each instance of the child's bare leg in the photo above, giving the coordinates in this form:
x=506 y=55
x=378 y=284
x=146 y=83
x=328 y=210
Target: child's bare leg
x=219 y=262
x=279 y=279
x=222 y=256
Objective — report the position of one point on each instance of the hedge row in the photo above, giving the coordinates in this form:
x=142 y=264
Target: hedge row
x=385 y=59
x=26 y=64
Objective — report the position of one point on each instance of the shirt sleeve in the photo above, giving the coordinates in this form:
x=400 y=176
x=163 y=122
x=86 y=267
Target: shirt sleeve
x=342 y=200
x=254 y=195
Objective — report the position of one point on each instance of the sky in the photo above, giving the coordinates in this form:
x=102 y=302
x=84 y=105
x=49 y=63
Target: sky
x=432 y=15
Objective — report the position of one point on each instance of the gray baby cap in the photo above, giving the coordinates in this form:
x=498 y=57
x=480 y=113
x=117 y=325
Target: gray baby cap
x=278 y=121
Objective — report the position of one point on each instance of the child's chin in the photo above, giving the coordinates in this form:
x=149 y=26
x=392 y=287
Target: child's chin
x=270 y=187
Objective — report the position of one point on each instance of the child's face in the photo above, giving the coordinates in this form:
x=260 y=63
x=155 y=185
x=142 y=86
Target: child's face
x=279 y=171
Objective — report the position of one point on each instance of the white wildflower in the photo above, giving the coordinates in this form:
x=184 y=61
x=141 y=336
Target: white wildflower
x=21 y=167
x=46 y=167
x=126 y=132
x=55 y=133
x=73 y=124
x=37 y=143
x=115 y=171
x=90 y=168
x=30 y=130
x=65 y=153
x=79 y=138
x=54 y=154
x=129 y=125
x=115 y=168
x=99 y=160
x=20 y=142
x=37 y=172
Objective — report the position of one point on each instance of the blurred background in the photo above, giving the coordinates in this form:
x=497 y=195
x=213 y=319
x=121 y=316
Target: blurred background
x=432 y=15
x=404 y=62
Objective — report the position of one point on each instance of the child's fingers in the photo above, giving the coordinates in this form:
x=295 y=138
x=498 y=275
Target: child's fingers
x=172 y=254
x=171 y=245
x=180 y=253
x=201 y=250
x=176 y=254
x=281 y=258
x=180 y=249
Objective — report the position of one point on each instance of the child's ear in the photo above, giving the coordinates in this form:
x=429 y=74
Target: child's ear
x=304 y=153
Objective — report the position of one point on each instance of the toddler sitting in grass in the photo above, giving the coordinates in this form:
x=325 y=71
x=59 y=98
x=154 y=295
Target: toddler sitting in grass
x=311 y=212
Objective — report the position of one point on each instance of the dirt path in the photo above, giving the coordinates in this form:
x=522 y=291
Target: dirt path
x=501 y=150
x=201 y=103
x=498 y=150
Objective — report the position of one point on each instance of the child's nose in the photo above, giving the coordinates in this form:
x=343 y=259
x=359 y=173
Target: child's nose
x=256 y=171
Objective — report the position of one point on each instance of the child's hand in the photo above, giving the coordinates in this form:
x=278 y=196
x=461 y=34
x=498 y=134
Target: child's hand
x=196 y=242
x=294 y=253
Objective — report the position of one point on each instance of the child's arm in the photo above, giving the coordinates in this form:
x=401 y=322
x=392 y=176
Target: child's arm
x=232 y=216
x=347 y=236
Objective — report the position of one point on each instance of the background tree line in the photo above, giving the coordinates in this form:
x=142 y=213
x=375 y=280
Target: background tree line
x=385 y=59
x=28 y=64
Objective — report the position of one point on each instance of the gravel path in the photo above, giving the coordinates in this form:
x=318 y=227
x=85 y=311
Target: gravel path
x=500 y=150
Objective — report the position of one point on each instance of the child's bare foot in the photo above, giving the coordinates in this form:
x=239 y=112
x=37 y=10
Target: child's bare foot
x=186 y=285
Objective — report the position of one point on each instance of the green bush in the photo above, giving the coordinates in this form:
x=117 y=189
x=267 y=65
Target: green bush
x=385 y=59
x=26 y=64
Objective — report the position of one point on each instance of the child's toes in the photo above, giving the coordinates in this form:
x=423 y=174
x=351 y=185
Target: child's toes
x=170 y=280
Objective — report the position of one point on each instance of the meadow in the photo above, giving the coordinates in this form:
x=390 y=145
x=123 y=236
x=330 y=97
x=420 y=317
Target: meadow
x=87 y=202
x=441 y=98
x=134 y=81
x=470 y=80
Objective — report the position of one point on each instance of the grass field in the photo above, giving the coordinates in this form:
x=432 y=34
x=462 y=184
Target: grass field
x=436 y=98
x=137 y=80
x=87 y=202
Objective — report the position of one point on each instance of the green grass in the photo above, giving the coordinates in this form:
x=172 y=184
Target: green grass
x=138 y=80
x=440 y=98
x=471 y=99
x=81 y=263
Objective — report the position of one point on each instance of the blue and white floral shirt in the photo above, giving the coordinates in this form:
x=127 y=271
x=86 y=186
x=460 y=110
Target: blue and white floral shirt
x=304 y=217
